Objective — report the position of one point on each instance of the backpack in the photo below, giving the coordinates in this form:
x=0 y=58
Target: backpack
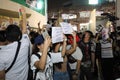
x=30 y=71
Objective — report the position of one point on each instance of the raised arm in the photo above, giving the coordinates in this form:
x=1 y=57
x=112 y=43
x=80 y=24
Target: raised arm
x=64 y=46
x=74 y=45
x=24 y=22
x=39 y=29
x=57 y=47
x=42 y=62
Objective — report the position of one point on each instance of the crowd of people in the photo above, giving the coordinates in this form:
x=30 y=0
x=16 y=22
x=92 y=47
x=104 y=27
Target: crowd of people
x=80 y=56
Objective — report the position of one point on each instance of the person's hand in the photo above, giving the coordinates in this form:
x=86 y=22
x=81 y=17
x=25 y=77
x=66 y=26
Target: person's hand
x=47 y=41
x=74 y=34
x=23 y=10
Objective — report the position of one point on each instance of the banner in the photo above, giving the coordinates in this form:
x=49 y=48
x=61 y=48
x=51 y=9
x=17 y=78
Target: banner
x=36 y=5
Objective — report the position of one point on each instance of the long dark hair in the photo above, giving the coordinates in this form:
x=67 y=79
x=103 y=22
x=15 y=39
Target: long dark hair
x=35 y=48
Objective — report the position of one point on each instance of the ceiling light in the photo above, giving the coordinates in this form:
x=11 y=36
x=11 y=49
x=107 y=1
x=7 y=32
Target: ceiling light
x=40 y=4
x=93 y=2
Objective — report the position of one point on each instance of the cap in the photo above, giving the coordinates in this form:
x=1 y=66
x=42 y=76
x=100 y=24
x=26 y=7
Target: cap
x=39 y=39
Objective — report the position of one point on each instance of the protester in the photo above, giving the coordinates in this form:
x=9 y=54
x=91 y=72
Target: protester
x=77 y=55
x=42 y=63
x=19 y=70
x=107 y=59
x=61 y=69
x=88 y=60
x=75 y=67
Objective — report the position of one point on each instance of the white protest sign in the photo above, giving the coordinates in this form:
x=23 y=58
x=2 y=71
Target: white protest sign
x=57 y=34
x=74 y=27
x=66 y=27
x=56 y=57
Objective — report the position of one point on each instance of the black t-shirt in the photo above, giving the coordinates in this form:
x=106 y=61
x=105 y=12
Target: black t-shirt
x=86 y=49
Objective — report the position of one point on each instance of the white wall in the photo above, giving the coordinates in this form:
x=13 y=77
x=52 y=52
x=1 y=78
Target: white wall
x=33 y=19
x=93 y=21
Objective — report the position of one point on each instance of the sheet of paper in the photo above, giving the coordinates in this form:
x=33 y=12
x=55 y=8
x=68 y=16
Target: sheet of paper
x=56 y=57
x=66 y=27
x=45 y=33
x=57 y=34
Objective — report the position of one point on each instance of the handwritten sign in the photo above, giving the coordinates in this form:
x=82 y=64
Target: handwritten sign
x=66 y=27
x=57 y=34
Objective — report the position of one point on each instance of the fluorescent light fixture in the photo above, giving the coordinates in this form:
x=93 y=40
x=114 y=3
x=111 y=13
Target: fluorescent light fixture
x=93 y=2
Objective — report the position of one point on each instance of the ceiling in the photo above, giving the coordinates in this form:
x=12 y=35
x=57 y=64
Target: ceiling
x=58 y=4
x=74 y=6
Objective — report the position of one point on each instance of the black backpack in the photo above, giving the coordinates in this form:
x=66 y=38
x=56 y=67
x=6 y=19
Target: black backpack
x=30 y=71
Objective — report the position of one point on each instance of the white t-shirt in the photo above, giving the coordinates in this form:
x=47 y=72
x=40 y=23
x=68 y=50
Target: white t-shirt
x=77 y=55
x=47 y=74
x=19 y=71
